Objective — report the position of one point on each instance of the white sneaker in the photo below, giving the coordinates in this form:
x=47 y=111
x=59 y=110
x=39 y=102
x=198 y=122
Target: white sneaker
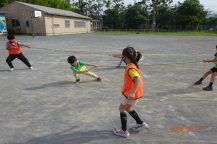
x=120 y=132
x=138 y=127
x=12 y=69
x=31 y=68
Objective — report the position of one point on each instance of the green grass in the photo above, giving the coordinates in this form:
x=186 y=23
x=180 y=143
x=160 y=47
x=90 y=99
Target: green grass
x=5 y=35
x=186 y=33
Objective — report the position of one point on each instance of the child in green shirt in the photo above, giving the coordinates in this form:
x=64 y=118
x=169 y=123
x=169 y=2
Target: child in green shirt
x=78 y=67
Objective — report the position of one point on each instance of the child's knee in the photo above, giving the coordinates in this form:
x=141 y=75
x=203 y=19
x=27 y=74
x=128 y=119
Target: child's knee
x=8 y=60
x=122 y=108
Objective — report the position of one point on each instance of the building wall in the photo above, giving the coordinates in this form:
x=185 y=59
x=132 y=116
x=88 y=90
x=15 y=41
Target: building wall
x=23 y=14
x=41 y=26
x=55 y=25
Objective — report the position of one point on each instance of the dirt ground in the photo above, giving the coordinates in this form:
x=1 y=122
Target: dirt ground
x=44 y=106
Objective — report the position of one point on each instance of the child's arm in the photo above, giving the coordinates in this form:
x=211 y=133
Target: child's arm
x=26 y=46
x=88 y=64
x=116 y=55
x=137 y=81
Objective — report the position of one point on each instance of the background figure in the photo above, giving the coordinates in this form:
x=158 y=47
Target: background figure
x=117 y=56
x=212 y=71
x=14 y=51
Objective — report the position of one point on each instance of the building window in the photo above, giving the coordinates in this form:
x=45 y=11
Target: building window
x=80 y=24
x=67 y=23
x=56 y=25
x=27 y=23
x=15 y=22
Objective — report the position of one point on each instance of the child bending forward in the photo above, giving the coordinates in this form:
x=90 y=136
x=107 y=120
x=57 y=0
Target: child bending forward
x=78 y=67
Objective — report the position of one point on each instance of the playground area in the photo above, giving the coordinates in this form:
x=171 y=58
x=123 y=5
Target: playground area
x=45 y=106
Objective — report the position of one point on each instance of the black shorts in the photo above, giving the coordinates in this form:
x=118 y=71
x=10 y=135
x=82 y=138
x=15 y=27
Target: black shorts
x=213 y=69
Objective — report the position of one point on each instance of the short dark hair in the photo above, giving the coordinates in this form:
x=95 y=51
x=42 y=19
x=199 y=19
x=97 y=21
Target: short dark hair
x=72 y=59
x=10 y=37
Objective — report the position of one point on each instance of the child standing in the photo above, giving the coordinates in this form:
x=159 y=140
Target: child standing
x=212 y=71
x=132 y=90
x=14 y=51
x=79 y=67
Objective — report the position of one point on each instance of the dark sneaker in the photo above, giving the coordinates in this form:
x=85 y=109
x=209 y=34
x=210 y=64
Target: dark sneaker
x=77 y=81
x=99 y=79
x=208 y=88
x=198 y=83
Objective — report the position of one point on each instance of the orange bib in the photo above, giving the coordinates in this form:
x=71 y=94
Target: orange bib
x=129 y=83
x=14 y=50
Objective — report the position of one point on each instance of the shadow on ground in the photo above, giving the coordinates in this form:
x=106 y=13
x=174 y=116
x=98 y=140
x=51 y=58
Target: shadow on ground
x=189 y=90
x=66 y=137
x=54 y=84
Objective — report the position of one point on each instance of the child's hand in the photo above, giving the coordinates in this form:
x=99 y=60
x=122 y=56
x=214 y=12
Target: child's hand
x=28 y=46
x=131 y=96
x=95 y=65
x=204 y=61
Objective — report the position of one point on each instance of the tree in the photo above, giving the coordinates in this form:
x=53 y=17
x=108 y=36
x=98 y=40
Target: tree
x=164 y=18
x=209 y=21
x=3 y=3
x=113 y=17
x=189 y=14
x=134 y=16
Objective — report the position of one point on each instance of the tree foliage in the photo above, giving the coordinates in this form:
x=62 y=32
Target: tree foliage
x=189 y=14
x=48 y=3
x=116 y=15
x=134 y=16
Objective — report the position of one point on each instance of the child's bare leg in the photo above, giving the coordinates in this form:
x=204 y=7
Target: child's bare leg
x=209 y=87
x=202 y=78
x=213 y=77
x=206 y=74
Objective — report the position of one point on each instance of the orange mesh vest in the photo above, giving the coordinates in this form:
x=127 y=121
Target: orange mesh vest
x=14 y=50
x=129 y=83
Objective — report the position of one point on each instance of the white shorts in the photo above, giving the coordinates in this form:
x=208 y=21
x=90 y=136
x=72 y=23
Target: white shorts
x=125 y=101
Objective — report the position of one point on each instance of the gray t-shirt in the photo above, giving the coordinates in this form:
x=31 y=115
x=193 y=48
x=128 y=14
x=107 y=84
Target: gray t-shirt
x=20 y=44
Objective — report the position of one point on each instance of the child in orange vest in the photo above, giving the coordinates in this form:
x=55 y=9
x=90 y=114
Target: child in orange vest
x=132 y=90
x=14 y=51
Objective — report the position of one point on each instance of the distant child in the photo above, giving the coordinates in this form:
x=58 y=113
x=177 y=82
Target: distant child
x=117 y=56
x=78 y=67
x=14 y=51
x=132 y=90
x=212 y=71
